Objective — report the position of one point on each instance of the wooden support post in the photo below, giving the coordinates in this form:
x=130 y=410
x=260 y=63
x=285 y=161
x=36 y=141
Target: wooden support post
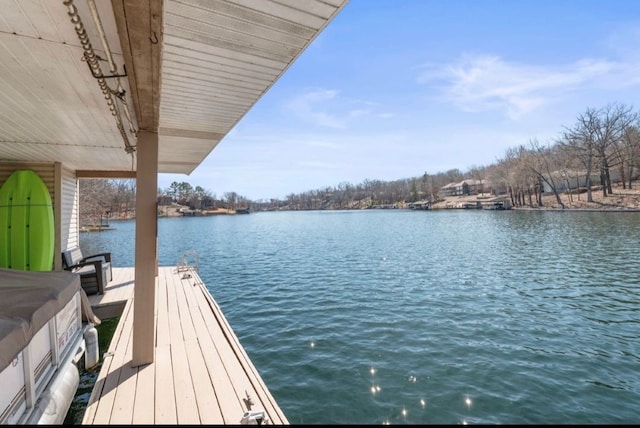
x=146 y=245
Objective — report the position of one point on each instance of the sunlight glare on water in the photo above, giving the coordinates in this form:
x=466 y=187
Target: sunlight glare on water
x=451 y=317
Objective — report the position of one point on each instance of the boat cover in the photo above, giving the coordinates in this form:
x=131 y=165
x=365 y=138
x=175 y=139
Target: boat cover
x=28 y=300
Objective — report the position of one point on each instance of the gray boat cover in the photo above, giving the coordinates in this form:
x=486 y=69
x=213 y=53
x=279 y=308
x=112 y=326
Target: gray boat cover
x=28 y=300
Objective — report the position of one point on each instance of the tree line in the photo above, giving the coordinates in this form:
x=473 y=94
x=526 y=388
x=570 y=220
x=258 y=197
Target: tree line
x=197 y=197
x=101 y=199
x=600 y=142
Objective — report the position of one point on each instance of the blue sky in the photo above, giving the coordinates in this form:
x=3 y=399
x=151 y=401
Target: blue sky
x=392 y=89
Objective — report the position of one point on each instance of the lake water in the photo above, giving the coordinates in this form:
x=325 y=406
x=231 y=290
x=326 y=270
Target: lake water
x=442 y=317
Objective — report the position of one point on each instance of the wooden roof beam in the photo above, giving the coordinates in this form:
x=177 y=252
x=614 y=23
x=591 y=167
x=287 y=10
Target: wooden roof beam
x=139 y=25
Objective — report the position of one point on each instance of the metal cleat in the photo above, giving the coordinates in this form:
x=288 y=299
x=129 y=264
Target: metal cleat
x=254 y=418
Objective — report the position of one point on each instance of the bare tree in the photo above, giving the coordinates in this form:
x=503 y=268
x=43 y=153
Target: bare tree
x=593 y=135
x=479 y=173
x=94 y=200
x=579 y=141
x=124 y=199
x=174 y=188
x=501 y=174
x=231 y=198
x=628 y=151
x=545 y=167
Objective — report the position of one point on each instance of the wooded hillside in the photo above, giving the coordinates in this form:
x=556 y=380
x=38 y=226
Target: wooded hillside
x=598 y=155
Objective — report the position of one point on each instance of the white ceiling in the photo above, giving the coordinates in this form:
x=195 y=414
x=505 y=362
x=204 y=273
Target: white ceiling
x=218 y=57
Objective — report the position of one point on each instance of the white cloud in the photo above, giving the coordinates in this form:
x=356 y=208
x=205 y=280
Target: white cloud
x=321 y=144
x=306 y=105
x=624 y=41
x=481 y=83
x=359 y=112
x=316 y=165
x=327 y=108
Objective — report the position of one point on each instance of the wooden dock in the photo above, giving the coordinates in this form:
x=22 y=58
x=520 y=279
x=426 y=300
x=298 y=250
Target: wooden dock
x=200 y=374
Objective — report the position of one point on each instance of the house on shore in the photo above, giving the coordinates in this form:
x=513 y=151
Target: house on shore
x=463 y=188
x=574 y=179
x=419 y=205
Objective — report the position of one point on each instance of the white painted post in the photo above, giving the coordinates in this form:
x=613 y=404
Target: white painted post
x=146 y=246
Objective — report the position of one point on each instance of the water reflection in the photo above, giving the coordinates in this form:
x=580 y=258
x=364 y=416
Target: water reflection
x=542 y=333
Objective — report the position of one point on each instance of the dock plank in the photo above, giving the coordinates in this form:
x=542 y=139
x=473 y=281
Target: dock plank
x=122 y=410
x=107 y=363
x=244 y=378
x=208 y=408
x=165 y=411
x=112 y=381
x=188 y=331
x=241 y=384
x=200 y=374
x=185 y=395
x=229 y=405
x=162 y=313
x=240 y=365
x=144 y=408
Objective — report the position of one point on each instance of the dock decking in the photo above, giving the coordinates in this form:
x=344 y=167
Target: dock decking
x=200 y=374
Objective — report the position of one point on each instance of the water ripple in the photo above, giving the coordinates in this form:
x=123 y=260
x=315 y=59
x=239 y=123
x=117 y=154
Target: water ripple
x=426 y=317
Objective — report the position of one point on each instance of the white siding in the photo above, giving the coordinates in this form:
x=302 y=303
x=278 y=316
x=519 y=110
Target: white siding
x=70 y=221
x=46 y=171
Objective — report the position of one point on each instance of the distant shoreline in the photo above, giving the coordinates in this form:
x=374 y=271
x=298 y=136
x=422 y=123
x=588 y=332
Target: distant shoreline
x=620 y=200
x=612 y=210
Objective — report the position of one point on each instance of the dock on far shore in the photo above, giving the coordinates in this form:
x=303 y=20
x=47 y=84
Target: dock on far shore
x=95 y=228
